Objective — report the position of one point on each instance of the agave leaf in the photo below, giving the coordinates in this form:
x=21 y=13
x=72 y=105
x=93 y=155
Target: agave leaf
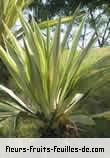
x=7 y=9
x=35 y=46
x=36 y=78
x=6 y=106
x=83 y=119
x=105 y=115
x=69 y=59
x=75 y=42
x=19 y=53
x=69 y=28
x=7 y=114
x=70 y=102
x=15 y=98
x=74 y=74
x=13 y=67
x=51 y=23
x=71 y=77
x=54 y=63
x=8 y=61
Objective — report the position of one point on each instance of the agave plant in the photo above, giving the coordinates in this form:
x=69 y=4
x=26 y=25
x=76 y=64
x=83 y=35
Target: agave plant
x=50 y=76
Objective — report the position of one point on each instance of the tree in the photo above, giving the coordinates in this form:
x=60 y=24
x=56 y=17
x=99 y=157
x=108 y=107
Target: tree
x=66 y=7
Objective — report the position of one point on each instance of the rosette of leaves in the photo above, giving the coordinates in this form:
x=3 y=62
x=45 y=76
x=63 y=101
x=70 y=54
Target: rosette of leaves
x=54 y=79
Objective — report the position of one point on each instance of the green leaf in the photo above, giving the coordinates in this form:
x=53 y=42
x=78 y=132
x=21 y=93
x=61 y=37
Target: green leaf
x=6 y=106
x=15 y=98
x=83 y=119
x=7 y=10
x=7 y=114
x=105 y=115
